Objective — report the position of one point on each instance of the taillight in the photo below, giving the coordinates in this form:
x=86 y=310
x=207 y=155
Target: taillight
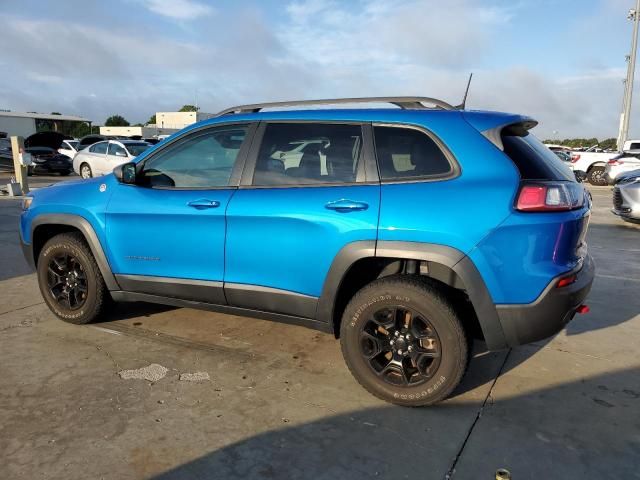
x=575 y=157
x=615 y=161
x=550 y=197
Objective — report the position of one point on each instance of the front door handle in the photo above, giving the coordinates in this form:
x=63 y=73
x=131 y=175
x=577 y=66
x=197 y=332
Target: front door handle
x=203 y=203
x=345 y=205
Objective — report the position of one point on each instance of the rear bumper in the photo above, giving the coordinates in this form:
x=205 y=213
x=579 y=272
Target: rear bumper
x=550 y=313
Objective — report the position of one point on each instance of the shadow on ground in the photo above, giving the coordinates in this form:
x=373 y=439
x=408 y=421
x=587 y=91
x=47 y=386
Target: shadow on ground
x=575 y=437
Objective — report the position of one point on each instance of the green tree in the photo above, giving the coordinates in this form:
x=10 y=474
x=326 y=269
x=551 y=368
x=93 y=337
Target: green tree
x=152 y=119
x=116 y=121
x=56 y=113
x=79 y=130
x=189 y=108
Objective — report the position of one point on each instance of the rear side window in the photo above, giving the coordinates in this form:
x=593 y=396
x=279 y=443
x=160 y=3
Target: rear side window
x=100 y=147
x=308 y=154
x=533 y=160
x=407 y=153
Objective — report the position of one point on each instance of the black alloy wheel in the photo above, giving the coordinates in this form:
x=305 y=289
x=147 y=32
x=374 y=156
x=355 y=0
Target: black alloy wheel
x=401 y=346
x=67 y=281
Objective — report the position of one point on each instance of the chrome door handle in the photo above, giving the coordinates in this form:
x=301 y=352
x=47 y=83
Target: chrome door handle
x=203 y=203
x=345 y=205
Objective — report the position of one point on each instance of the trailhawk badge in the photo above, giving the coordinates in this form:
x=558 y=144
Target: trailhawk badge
x=103 y=187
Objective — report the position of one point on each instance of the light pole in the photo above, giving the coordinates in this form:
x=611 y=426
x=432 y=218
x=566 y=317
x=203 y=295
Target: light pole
x=634 y=15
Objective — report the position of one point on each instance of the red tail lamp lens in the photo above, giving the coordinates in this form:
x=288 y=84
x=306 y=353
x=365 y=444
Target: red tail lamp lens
x=563 y=282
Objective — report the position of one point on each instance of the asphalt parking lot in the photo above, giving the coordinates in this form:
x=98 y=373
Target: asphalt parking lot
x=280 y=403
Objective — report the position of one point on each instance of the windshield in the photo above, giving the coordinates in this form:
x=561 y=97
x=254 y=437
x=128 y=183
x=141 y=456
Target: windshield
x=136 y=149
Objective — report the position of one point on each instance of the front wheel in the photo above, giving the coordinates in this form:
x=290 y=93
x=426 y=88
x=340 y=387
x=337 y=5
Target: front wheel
x=596 y=176
x=70 y=280
x=403 y=342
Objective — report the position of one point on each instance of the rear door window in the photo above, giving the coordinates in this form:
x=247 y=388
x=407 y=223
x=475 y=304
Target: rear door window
x=100 y=147
x=308 y=154
x=533 y=160
x=407 y=153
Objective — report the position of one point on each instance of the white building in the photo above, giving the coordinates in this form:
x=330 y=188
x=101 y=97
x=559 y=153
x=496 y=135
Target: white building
x=179 y=120
x=25 y=124
x=130 y=131
x=166 y=124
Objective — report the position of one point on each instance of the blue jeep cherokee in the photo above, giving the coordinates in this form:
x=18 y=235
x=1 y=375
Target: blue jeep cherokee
x=403 y=231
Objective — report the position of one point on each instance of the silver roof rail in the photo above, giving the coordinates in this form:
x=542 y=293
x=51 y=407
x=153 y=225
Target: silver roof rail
x=402 y=102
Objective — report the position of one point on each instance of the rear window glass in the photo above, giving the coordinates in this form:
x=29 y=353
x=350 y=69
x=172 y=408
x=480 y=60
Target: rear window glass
x=533 y=160
x=405 y=153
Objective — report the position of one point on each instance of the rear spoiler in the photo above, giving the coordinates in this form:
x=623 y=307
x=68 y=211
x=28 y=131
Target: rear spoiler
x=493 y=126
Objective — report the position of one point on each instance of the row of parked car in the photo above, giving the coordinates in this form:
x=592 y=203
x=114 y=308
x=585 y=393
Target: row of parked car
x=600 y=167
x=52 y=152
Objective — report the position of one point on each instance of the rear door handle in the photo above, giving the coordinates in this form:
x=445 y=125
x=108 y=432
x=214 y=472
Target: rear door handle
x=204 y=203
x=345 y=205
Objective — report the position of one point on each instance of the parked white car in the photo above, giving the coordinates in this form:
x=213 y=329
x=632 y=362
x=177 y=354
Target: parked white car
x=631 y=145
x=69 y=148
x=620 y=164
x=592 y=163
x=102 y=157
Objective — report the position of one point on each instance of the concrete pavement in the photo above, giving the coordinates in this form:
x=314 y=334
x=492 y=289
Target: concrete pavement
x=279 y=402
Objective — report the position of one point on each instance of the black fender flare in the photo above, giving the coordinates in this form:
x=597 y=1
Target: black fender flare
x=450 y=257
x=83 y=225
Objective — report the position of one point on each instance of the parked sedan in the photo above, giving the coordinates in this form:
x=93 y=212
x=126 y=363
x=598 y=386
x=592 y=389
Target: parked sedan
x=620 y=164
x=69 y=148
x=102 y=157
x=626 y=196
x=43 y=147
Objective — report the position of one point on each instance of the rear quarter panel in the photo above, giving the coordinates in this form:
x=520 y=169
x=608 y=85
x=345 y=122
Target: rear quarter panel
x=458 y=212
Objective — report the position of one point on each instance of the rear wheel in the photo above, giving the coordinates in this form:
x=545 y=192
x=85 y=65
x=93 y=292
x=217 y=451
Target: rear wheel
x=85 y=171
x=596 y=176
x=403 y=342
x=70 y=280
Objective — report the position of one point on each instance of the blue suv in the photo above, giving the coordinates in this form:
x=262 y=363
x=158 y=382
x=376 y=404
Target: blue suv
x=405 y=232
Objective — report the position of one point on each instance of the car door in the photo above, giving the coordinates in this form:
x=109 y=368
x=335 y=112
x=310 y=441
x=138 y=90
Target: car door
x=166 y=233
x=95 y=157
x=287 y=224
x=116 y=155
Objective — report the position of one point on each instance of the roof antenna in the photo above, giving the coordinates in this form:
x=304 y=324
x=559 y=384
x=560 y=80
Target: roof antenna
x=463 y=105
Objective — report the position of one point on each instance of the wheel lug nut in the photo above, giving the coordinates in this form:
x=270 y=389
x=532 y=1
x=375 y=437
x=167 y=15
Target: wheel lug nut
x=397 y=333
x=399 y=352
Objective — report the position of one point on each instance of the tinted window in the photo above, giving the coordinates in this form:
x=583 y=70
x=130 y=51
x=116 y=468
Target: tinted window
x=205 y=159
x=634 y=146
x=408 y=153
x=115 y=149
x=533 y=160
x=100 y=147
x=72 y=144
x=306 y=154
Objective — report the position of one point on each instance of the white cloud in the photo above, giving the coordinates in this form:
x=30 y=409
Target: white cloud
x=178 y=9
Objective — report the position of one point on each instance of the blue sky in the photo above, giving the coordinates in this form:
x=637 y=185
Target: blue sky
x=561 y=61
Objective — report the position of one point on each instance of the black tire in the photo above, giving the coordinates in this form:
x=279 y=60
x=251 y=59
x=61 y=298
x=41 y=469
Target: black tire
x=404 y=294
x=93 y=296
x=87 y=168
x=596 y=176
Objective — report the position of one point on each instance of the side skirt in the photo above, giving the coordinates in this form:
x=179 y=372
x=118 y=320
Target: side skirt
x=123 y=296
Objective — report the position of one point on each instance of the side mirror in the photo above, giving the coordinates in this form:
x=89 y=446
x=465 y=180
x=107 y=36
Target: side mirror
x=126 y=173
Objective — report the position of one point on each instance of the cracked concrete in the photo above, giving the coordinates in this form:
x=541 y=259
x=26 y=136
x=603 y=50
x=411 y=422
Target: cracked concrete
x=282 y=404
